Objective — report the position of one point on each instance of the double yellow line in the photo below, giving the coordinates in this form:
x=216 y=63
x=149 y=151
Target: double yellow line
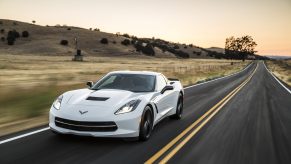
x=201 y=121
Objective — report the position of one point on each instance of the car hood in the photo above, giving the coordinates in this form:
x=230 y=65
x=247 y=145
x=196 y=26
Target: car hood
x=102 y=98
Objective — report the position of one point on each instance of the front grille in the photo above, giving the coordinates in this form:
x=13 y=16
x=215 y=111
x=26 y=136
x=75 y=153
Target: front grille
x=86 y=125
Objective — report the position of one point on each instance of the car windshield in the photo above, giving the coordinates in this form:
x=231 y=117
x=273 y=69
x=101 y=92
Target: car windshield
x=129 y=82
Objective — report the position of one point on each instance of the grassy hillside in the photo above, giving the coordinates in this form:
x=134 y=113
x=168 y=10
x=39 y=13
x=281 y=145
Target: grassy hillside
x=282 y=69
x=45 y=40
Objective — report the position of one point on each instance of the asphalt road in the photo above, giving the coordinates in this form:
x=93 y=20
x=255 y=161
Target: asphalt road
x=254 y=126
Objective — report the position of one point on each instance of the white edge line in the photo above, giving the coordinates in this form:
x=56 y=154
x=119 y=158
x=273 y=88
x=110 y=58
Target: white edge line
x=24 y=135
x=218 y=78
x=47 y=128
x=277 y=79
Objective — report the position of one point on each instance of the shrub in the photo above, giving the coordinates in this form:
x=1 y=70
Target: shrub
x=25 y=34
x=14 y=33
x=11 y=37
x=104 y=41
x=149 y=50
x=69 y=28
x=3 y=39
x=185 y=47
x=14 y=23
x=96 y=29
x=126 y=35
x=191 y=45
x=64 y=42
x=125 y=42
x=114 y=42
x=176 y=46
x=2 y=31
x=1 y=22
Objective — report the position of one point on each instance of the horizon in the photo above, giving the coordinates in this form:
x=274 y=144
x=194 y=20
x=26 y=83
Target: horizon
x=174 y=21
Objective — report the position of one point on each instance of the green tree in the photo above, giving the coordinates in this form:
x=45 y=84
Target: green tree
x=239 y=48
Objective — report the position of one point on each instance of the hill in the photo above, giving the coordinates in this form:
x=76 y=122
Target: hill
x=45 y=40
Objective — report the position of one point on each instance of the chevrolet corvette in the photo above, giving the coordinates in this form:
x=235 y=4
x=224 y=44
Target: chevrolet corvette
x=122 y=104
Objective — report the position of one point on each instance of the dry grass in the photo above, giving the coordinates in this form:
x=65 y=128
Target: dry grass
x=282 y=69
x=29 y=84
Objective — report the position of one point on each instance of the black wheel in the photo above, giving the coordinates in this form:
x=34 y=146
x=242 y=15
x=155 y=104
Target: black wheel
x=146 y=124
x=179 y=109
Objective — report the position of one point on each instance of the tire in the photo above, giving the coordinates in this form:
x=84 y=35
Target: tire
x=146 y=124
x=179 y=109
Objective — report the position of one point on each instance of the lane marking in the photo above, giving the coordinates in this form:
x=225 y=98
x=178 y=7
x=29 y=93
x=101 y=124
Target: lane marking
x=196 y=130
x=277 y=79
x=219 y=105
x=24 y=135
x=47 y=128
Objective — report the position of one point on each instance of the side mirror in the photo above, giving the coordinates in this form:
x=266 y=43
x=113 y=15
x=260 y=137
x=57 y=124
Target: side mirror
x=90 y=84
x=166 y=88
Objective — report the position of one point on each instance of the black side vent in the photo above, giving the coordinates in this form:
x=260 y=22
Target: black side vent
x=97 y=98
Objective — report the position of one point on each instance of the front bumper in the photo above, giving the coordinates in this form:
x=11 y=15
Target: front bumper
x=126 y=126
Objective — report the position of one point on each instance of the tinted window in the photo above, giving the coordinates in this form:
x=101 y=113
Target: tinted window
x=130 y=82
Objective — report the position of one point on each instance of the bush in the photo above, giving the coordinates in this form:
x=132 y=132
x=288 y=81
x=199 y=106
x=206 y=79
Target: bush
x=191 y=45
x=104 y=41
x=126 y=35
x=125 y=42
x=11 y=36
x=148 y=49
x=2 y=31
x=10 y=39
x=3 y=39
x=97 y=29
x=14 y=23
x=25 y=34
x=69 y=28
x=176 y=46
x=1 y=22
x=13 y=33
x=185 y=47
x=64 y=42
x=114 y=42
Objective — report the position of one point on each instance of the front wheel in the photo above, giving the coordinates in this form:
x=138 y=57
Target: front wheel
x=179 y=109
x=146 y=124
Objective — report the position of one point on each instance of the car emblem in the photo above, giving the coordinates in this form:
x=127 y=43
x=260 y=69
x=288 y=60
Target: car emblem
x=82 y=112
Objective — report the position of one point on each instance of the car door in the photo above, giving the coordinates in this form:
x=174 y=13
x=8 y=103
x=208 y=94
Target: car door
x=162 y=101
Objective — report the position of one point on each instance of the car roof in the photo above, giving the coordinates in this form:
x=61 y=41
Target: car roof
x=136 y=72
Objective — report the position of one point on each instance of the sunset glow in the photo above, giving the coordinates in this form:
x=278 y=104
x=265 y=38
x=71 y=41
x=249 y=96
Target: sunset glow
x=204 y=23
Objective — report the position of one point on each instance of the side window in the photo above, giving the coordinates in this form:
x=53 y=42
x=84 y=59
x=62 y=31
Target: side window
x=161 y=83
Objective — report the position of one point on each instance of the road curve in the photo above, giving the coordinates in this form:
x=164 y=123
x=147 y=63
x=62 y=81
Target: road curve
x=254 y=126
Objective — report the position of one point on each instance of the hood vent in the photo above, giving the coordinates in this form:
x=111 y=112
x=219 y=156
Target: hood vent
x=97 y=98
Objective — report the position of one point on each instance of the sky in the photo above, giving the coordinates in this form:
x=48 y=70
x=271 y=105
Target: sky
x=205 y=23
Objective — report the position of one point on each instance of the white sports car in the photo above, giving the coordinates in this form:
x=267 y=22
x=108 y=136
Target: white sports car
x=122 y=104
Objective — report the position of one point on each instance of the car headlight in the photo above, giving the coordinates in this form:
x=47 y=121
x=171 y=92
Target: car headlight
x=128 y=107
x=57 y=103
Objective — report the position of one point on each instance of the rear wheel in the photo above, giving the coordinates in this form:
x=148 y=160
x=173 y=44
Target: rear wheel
x=146 y=124
x=179 y=109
